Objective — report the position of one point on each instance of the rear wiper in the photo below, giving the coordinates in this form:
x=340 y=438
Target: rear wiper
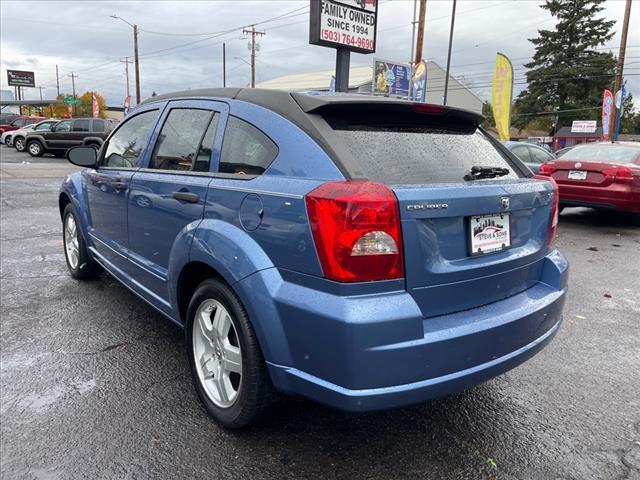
x=478 y=172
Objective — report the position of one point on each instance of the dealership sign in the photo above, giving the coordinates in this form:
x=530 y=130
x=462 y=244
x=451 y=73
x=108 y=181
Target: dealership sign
x=349 y=24
x=391 y=78
x=583 y=126
x=19 y=78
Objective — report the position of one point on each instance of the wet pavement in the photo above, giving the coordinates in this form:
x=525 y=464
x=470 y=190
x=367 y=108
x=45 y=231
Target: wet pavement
x=95 y=384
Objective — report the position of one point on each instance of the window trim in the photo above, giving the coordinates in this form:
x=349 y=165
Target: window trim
x=241 y=176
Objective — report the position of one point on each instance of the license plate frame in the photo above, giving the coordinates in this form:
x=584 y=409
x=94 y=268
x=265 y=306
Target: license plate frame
x=577 y=175
x=489 y=233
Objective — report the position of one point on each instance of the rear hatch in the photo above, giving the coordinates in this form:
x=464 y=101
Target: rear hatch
x=466 y=243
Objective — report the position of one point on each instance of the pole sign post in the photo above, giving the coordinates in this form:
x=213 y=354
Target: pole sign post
x=346 y=25
x=390 y=78
x=20 y=78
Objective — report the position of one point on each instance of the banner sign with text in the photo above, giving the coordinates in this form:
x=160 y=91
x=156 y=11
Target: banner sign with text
x=502 y=93
x=584 y=126
x=349 y=24
x=419 y=82
x=19 y=78
x=607 y=102
x=390 y=78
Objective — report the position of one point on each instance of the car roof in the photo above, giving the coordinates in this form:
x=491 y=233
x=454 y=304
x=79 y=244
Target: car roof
x=293 y=105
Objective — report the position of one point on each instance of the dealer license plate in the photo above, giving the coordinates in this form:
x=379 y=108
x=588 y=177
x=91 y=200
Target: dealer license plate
x=577 y=175
x=489 y=233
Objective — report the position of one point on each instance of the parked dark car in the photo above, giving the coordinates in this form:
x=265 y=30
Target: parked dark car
x=598 y=175
x=69 y=133
x=364 y=252
x=532 y=155
x=19 y=122
x=18 y=137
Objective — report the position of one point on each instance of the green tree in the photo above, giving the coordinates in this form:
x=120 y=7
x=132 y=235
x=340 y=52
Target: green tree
x=85 y=107
x=567 y=71
x=630 y=118
x=487 y=111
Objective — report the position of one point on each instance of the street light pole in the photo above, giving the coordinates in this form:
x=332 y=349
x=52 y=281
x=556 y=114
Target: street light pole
x=135 y=54
x=446 y=78
x=619 y=69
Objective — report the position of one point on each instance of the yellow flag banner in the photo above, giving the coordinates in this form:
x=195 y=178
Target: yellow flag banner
x=502 y=93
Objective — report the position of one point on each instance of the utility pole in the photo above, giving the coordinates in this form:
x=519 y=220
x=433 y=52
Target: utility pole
x=73 y=86
x=413 y=32
x=40 y=88
x=253 y=34
x=446 y=78
x=421 y=22
x=224 y=65
x=57 y=81
x=135 y=54
x=137 y=62
x=126 y=62
x=620 y=68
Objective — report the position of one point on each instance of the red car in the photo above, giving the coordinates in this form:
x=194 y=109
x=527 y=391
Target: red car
x=598 y=175
x=19 y=122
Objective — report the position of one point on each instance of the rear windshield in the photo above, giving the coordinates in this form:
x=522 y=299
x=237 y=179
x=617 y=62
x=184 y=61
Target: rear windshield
x=421 y=154
x=603 y=153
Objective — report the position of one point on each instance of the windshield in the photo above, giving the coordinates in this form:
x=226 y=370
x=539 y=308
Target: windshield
x=603 y=153
x=421 y=154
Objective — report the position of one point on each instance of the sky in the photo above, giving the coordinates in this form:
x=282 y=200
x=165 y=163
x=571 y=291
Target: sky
x=180 y=43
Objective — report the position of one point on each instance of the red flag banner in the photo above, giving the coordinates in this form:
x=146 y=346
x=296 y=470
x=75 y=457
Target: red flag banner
x=95 y=106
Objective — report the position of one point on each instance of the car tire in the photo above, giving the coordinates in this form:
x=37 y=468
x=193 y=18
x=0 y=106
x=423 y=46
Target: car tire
x=19 y=144
x=227 y=366
x=35 y=148
x=8 y=141
x=81 y=266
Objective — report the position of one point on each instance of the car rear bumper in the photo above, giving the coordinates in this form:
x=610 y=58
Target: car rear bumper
x=376 y=351
x=616 y=197
x=410 y=393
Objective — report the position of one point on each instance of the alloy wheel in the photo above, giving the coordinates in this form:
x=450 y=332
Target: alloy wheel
x=71 y=244
x=34 y=148
x=218 y=355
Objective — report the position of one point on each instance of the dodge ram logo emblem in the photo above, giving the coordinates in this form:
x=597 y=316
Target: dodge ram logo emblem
x=505 y=203
x=578 y=165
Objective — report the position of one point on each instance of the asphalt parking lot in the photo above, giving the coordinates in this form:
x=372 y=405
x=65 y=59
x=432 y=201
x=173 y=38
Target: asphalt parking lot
x=95 y=384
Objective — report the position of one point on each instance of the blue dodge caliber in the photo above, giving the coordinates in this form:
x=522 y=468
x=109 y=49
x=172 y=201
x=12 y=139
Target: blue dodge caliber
x=363 y=252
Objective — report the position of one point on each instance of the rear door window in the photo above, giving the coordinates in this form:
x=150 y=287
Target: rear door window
x=98 y=125
x=179 y=141
x=409 y=154
x=522 y=152
x=539 y=156
x=81 y=126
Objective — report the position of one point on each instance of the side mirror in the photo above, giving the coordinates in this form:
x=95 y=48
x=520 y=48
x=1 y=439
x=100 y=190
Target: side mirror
x=83 y=156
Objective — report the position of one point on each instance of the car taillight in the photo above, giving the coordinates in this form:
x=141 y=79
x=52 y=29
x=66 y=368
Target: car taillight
x=546 y=169
x=618 y=174
x=356 y=230
x=555 y=208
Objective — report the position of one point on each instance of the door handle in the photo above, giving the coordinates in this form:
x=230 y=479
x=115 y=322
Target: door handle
x=119 y=185
x=186 y=196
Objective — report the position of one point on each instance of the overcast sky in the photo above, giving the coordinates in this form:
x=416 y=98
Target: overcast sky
x=80 y=37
